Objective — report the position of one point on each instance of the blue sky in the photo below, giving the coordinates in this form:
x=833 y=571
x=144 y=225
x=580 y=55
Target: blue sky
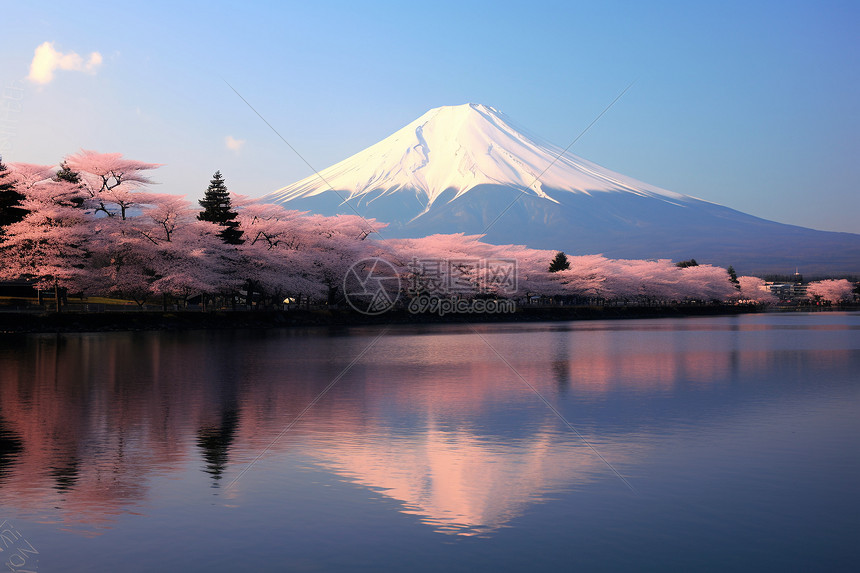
x=751 y=106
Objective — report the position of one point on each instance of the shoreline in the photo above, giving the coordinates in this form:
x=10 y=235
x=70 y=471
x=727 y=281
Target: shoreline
x=12 y=322
x=17 y=322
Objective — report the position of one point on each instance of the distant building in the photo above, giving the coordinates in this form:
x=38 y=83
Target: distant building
x=794 y=291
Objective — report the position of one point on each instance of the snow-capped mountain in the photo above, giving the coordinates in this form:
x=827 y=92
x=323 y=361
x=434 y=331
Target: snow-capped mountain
x=467 y=169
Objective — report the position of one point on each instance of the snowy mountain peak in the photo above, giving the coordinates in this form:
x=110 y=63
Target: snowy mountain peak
x=458 y=148
x=468 y=169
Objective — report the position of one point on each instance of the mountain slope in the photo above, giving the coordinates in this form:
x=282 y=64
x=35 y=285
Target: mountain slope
x=466 y=168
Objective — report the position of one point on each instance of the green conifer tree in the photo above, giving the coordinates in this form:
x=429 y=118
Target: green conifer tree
x=65 y=173
x=10 y=200
x=217 y=208
x=733 y=276
x=559 y=263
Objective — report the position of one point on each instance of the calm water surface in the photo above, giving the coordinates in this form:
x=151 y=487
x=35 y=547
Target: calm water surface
x=725 y=443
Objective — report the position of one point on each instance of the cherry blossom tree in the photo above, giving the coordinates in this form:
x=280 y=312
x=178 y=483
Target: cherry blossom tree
x=707 y=283
x=753 y=289
x=124 y=252
x=590 y=277
x=110 y=180
x=335 y=243
x=272 y=258
x=50 y=245
x=586 y=277
x=290 y=253
x=833 y=291
x=183 y=256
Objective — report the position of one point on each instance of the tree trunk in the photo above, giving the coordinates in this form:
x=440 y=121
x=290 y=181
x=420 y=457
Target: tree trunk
x=57 y=296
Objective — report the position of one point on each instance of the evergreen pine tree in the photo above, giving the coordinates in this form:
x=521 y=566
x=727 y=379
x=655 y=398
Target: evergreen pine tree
x=10 y=209
x=559 y=263
x=733 y=277
x=217 y=209
x=685 y=264
x=65 y=173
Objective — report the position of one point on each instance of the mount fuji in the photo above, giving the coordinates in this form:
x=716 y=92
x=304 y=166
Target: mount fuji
x=466 y=169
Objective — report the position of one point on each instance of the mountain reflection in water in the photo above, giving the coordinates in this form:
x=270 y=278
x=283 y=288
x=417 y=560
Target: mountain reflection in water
x=430 y=417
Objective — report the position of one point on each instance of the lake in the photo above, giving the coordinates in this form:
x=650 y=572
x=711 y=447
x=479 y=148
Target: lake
x=695 y=444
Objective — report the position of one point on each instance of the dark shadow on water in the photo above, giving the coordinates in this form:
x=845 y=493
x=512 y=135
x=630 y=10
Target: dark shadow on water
x=215 y=443
x=11 y=446
x=66 y=475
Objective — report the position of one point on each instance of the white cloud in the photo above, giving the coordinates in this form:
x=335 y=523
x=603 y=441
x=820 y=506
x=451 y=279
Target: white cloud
x=46 y=60
x=94 y=62
x=233 y=143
